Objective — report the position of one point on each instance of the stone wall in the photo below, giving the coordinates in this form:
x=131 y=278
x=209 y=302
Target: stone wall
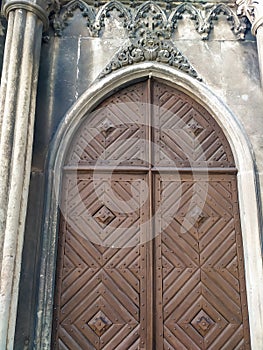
x=74 y=55
x=72 y=61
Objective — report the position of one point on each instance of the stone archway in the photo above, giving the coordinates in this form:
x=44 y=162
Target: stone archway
x=150 y=248
x=234 y=135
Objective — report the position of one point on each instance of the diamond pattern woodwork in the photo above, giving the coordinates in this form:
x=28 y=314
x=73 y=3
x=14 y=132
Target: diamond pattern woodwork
x=137 y=244
x=106 y=127
x=202 y=323
x=99 y=323
x=109 y=212
x=185 y=133
x=115 y=133
x=101 y=288
x=201 y=298
x=104 y=216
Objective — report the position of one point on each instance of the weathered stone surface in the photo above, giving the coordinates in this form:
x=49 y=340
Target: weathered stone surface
x=205 y=56
x=2 y=39
x=32 y=241
x=72 y=63
x=77 y=60
x=17 y=112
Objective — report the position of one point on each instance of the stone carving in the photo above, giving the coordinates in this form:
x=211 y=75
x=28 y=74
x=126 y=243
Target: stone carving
x=238 y=26
x=253 y=10
x=203 y=15
x=189 y=8
x=150 y=40
x=204 y=24
x=162 y=52
x=246 y=8
x=60 y=19
x=149 y=27
x=106 y=10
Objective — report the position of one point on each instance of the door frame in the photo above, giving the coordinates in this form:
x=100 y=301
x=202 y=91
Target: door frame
x=249 y=201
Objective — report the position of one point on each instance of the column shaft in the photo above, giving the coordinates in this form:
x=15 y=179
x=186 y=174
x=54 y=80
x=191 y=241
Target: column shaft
x=9 y=89
x=5 y=67
x=15 y=156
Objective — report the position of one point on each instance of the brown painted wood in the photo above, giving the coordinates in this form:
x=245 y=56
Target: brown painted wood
x=150 y=248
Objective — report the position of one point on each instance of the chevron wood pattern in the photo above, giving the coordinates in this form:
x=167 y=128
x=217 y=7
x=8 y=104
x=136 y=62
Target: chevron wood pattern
x=102 y=287
x=115 y=133
x=185 y=132
x=202 y=286
x=107 y=211
x=150 y=253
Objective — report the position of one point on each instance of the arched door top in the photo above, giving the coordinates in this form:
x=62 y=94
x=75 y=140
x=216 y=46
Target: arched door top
x=179 y=125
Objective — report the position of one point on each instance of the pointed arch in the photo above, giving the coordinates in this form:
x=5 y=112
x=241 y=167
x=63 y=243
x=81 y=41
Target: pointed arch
x=150 y=6
x=105 y=11
x=248 y=200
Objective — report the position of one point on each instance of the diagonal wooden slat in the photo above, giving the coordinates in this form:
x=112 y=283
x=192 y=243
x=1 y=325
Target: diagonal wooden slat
x=210 y=147
x=102 y=279
x=150 y=260
x=218 y=292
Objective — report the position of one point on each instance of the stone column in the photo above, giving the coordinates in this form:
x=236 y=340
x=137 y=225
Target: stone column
x=253 y=10
x=26 y=19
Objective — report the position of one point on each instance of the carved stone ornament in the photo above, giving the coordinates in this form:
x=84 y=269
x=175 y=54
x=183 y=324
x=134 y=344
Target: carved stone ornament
x=150 y=40
x=253 y=10
x=203 y=15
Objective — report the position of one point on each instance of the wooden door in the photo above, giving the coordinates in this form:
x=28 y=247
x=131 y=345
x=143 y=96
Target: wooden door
x=150 y=249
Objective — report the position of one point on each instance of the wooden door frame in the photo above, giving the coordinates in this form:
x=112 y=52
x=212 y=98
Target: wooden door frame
x=249 y=202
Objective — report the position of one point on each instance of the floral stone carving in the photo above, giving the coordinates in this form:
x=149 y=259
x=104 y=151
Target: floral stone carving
x=150 y=40
x=149 y=26
x=253 y=10
x=204 y=15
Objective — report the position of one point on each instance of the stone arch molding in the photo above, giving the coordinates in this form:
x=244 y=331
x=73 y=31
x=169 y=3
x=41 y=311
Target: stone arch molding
x=248 y=201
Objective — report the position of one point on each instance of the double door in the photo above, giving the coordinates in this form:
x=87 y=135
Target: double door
x=150 y=249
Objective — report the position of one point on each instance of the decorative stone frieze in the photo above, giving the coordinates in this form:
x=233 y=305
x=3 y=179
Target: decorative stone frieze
x=149 y=27
x=253 y=10
x=150 y=40
x=203 y=15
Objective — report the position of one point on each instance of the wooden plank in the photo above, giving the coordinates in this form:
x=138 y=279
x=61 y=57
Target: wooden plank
x=150 y=250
